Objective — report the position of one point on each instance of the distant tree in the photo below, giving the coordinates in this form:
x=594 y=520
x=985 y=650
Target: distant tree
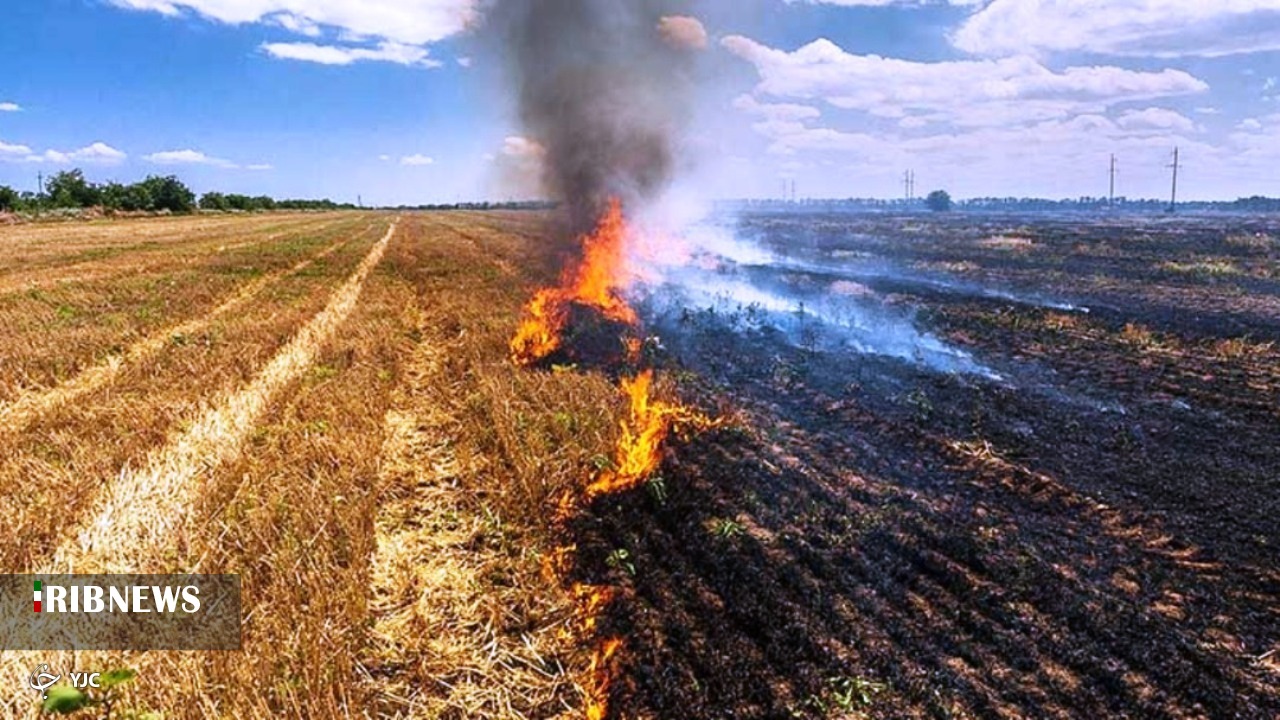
x=113 y=196
x=214 y=201
x=168 y=193
x=131 y=198
x=938 y=201
x=9 y=199
x=70 y=189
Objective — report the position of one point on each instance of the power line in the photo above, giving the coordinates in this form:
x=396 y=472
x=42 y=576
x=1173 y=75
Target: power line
x=1111 y=197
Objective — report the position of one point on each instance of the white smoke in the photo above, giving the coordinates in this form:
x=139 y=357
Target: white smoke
x=706 y=265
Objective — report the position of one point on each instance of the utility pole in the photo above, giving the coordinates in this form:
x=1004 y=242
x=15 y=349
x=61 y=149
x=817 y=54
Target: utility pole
x=1111 y=197
x=39 y=192
x=1173 y=197
x=909 y=185
x=360 y=201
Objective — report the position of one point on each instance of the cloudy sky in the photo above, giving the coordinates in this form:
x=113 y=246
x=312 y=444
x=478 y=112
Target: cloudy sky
x=398 y=101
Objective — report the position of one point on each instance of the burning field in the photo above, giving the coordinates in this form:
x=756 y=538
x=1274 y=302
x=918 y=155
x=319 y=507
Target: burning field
x=600 y=462
x=957 y=476
x=817 y=466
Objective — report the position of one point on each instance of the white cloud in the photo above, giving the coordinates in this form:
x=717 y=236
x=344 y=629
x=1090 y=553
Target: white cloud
x=187 y=157
x=345 y=54
x=683 y=32
x=298 y=24
x=412 y=22
x=1156 y=119
x=417 y=160
x=1208 y=111
x=1055 y=158
x=775 y=111
x=1150 y=28
x=522 y=147
x=395 y=31
x=465 y=62
x=11 y=152
x=10 y=107
x=260 y=167
x=96 y=154
x=384 y=158
x=789 y=136
x=968 y=92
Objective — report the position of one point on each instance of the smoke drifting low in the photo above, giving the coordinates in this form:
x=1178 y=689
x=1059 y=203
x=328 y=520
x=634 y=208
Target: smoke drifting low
x=602 y=86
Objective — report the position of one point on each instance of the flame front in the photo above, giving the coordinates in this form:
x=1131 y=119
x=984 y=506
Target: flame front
x=646 y=427
x=596 y=281
x=598 y=696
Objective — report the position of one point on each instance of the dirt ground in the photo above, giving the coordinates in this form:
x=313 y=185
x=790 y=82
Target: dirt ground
x=1091 y=532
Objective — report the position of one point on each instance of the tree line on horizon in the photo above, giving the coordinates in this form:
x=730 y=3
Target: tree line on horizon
x=941 y=201
x=70 y=190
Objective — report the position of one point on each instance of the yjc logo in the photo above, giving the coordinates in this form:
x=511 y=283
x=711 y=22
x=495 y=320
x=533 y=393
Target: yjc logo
x=42 y=679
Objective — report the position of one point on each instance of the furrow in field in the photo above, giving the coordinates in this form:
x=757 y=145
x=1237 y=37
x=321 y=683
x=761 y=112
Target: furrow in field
x=422 y=577
x=74 y=452
x=18 y=413
x=458 y=625
x=135 y=517
x=157 y=400
x=49 y=336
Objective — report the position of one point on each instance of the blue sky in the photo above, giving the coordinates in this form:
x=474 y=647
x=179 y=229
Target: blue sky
x=395 y=100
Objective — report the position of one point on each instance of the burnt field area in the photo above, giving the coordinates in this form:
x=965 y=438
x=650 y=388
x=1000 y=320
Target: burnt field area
x=1031 y=469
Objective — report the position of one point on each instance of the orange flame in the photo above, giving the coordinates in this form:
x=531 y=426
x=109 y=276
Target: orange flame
x=646 y=427
x=591 y=601
x=596 y=281
x=598 y=696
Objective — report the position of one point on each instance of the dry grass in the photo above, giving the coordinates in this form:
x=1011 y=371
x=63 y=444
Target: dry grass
x=1007 y=242
x=1202 y=268
x=1252 y=241
x=78 y=448
x=50 y=334
x=26 y=406
x=141 y=512
x=378 y=474
x=78 y=246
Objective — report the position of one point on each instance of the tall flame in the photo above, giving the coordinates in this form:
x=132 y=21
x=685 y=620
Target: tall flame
x=646 y=427
x=602 y=678
x=596 y=281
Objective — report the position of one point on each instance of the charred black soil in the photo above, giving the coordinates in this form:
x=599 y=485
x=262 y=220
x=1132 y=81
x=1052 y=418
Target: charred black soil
x=1091 y=534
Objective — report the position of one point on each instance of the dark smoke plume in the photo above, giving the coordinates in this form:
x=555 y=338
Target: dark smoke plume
x=602 y=90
